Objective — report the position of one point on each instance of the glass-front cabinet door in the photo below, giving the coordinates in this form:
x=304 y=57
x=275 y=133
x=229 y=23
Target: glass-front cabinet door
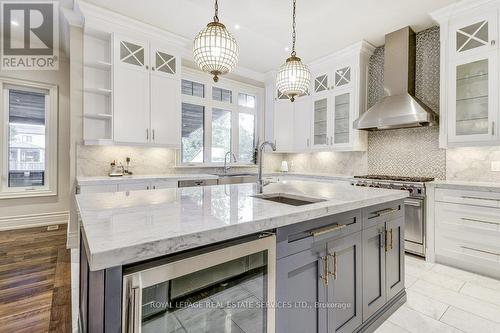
x=473 y=35
x=473 y=99
x=342 y=119
x=321 y=122
x=220 y=290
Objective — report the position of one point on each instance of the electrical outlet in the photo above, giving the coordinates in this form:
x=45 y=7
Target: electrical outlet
x=495 y=166
x=53 y=227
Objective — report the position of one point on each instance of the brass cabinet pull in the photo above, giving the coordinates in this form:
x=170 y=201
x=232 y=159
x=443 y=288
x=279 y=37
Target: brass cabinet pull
x=390 y=232
x=334 y=273
x=324 y=276
x=325 y=230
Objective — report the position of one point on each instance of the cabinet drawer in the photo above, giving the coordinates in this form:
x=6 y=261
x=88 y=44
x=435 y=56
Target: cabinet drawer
x=475 y=257
x=97 y=189
x=302 y=236
x=381 y=213
x=476 y=198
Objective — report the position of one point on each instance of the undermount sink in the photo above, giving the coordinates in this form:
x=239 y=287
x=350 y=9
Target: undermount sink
x=288 y=199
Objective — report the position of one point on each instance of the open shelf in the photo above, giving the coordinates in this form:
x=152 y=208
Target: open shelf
x=102 y=116
x=100 y=91
x=99 y=64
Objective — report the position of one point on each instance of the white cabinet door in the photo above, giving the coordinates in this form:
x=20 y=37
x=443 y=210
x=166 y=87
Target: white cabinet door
x=474 y=34
x=302 y=124
x=283 y=125
x=473 y=99
x=136 y=186
x=130 y=91
x=320 y=124
x=342 y=131
x=165 y=99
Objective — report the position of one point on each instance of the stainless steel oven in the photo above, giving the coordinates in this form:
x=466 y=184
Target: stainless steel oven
x=212 y=290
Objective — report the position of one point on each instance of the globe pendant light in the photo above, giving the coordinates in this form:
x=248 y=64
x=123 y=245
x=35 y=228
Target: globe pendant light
x=293 y=76
x=215 y=50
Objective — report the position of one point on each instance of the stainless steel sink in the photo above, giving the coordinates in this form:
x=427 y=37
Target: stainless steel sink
x=288 y=199
x=237 y=178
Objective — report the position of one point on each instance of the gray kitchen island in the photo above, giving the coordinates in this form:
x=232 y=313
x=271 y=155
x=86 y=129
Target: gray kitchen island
x=298 y=257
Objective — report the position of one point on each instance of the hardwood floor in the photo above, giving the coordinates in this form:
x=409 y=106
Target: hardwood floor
x=35 y=281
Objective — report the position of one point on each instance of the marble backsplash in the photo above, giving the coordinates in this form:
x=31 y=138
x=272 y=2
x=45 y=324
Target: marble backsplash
x=95 y=161
x=334 y=163
x=472 y=164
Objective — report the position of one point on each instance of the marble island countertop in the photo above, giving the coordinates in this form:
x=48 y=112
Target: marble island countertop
x=126 y=227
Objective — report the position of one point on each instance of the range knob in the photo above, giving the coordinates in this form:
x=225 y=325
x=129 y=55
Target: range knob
x=410 y=190
x=403 y=188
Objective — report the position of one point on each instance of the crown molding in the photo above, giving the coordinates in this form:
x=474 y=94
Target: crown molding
x=362 y=48
x=442 y=15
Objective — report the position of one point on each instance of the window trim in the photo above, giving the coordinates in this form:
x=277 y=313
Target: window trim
x=51 y=132
x=210 y=104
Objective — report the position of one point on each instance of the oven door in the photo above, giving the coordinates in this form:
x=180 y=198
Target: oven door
x=217 y=291
x=414 y=226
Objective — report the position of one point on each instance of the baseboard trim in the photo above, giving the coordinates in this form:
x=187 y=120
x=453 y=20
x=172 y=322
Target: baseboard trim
x=32 y=221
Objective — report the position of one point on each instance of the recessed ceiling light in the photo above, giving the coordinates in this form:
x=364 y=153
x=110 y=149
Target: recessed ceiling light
x=14 y=23
x=237 y=26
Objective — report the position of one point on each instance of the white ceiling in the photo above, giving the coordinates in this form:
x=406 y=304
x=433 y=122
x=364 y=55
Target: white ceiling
x=323 y=26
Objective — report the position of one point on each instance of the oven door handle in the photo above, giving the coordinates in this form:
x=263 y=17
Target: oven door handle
x=413 y=203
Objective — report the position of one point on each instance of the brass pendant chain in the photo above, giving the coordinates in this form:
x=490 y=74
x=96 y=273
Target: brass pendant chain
x=293 y=30
x=216 y=17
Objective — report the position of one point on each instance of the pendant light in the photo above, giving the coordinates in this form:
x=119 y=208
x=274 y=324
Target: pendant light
x=293 y=76
x=215 y=50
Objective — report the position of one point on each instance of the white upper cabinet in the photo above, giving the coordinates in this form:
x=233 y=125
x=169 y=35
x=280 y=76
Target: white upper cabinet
x=146 y=93
x=473 y=98
x=165 y=98
x=131 y=90
x=302 y=117
x=132 y=81
x=323 y=118
x=469 y=74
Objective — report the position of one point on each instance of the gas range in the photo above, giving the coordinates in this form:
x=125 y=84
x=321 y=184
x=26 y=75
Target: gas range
x=415 y=224
x=414 y=185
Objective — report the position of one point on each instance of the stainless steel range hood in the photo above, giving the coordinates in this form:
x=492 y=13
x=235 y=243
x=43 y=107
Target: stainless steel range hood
x=400 y=108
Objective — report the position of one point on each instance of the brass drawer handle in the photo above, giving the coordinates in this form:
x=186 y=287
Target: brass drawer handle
x=384 y=212
x=390 y=246
x=325 y=230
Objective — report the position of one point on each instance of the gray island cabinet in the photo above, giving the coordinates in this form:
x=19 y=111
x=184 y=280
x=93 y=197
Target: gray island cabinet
x=341 y=273
x=150 y=259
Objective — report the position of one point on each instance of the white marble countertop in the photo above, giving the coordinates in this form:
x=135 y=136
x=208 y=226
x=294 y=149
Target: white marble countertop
x=310 y=175
x=127 y=227
x=469 y=185
x=104 y=180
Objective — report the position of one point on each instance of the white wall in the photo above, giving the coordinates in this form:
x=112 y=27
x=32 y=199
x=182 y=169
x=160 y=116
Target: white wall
x=14 y=212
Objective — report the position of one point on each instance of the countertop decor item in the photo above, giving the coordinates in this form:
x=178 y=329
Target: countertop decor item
x=293 y=76
x=215 y=49
x=284 y=166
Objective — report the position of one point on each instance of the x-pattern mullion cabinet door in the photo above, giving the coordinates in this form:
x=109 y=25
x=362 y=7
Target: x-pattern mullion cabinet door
x=165 y=97
x=473 y=99
x=130 y=90
x=345 y=284
x=474 y=33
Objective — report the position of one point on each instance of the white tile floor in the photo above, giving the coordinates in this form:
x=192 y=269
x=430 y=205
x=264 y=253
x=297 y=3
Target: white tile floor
x=445 y=299
x=440 y=299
